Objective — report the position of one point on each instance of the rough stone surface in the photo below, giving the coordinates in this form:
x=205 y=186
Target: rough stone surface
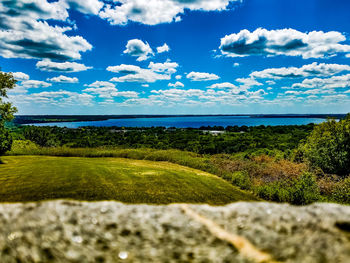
x=70 y=231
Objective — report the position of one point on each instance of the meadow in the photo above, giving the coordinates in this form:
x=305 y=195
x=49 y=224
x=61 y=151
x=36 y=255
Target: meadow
x=33 y=178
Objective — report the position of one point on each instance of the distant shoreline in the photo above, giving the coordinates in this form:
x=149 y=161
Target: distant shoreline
x=32 y=119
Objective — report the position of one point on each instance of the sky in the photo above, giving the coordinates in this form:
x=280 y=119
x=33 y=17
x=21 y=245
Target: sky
x=177 y=56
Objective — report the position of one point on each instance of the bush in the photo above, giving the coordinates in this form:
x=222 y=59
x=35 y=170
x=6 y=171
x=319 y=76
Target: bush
x=275 y=191
x=341 y=193
x=328 y=147
x=5 y=140
x=305 y=190
x=301 y=191
x=242 y=180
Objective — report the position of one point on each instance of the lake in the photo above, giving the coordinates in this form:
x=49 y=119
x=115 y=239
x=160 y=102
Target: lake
x=189 y=122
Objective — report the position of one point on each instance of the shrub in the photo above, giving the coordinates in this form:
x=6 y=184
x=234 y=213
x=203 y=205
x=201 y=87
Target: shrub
x=328 y=147
x=301 y=191
x=5 y=140
x=305 y=190
x=275 y=191
x=341 y=193
x=242 y=180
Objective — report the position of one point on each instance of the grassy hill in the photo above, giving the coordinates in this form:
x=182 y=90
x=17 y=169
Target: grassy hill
x=32 y=178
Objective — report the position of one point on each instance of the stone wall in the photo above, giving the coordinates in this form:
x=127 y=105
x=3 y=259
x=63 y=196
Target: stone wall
x=71 y=231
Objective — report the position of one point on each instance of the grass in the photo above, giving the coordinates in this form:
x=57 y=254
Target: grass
x=33 y=178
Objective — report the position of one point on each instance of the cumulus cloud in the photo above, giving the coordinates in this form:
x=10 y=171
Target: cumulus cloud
x=154 y=72
x=176 y=84
x=288 y=42
x=309 y=70
x=86 y=6
x=248 y=82
x=166 y=67
x=20 y=76
x=25 y=33
x=178 y=77
x=47 y=65
x=199 y=96
x=224 y=85
x=58 y=98
x=342 y=81
x=153 y=12
x=105 y=89
x=35 y=84
x=137 y=48
x=201 y=76
x=63 y=79
x=162 y=49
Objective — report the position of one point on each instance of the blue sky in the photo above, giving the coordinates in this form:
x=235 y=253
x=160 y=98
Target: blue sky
x=177 y=56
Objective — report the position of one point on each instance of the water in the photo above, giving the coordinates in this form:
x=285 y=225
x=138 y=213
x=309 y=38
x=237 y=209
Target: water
x=188 y=122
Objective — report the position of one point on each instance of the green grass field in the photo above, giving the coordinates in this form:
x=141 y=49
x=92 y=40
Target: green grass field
x=33 y=178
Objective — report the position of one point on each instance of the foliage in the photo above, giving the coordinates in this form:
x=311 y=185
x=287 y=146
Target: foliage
x=301 y=191
x=341 y=193
x=305 y=190
x=242 y=180
x=273 y=141
x=328 y=147
x=5 y=140
x=6 y=111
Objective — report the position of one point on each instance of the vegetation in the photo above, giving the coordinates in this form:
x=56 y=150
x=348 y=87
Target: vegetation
x=31 y=178
x=328 y=147
x=251 y=174
x=266 y=140
x=6 y=111
x=295 y=164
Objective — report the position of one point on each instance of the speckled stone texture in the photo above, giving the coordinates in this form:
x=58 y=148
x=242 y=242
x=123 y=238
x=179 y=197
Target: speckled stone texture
x=72 y=231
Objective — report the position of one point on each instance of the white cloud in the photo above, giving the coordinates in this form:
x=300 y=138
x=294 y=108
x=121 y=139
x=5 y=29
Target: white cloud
x=201 y=76
x=309 y=70
x=35 y=84
x=166 y=67
x=342 y=81
x=178 y=77
x=59 y=98
x=224 y=85
x=63 y=79
x=288 y=42
x=20 y=76
x=145 y=85
x=47 y=65
x=236 y=64
x=105 y=89
x=101 y=84
x=153 y=12
x=27 y=34
x=176 y=84
x=162 y=49
x=155 y=71
x=248 y=82
x=86 y=6
x=137 y=48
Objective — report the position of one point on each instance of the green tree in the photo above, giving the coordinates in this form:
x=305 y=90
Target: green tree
x=7 y=111
x=328 y=147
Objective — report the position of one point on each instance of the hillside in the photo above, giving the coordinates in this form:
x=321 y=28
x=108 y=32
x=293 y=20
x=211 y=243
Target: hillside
x=33 y=178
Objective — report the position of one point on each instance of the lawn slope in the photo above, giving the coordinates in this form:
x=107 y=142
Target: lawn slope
x=33 y=178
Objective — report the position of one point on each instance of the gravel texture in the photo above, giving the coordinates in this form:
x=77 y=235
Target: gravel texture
x=72 y=231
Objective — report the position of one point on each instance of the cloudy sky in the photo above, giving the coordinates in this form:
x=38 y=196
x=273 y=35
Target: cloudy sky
x=177 y=56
